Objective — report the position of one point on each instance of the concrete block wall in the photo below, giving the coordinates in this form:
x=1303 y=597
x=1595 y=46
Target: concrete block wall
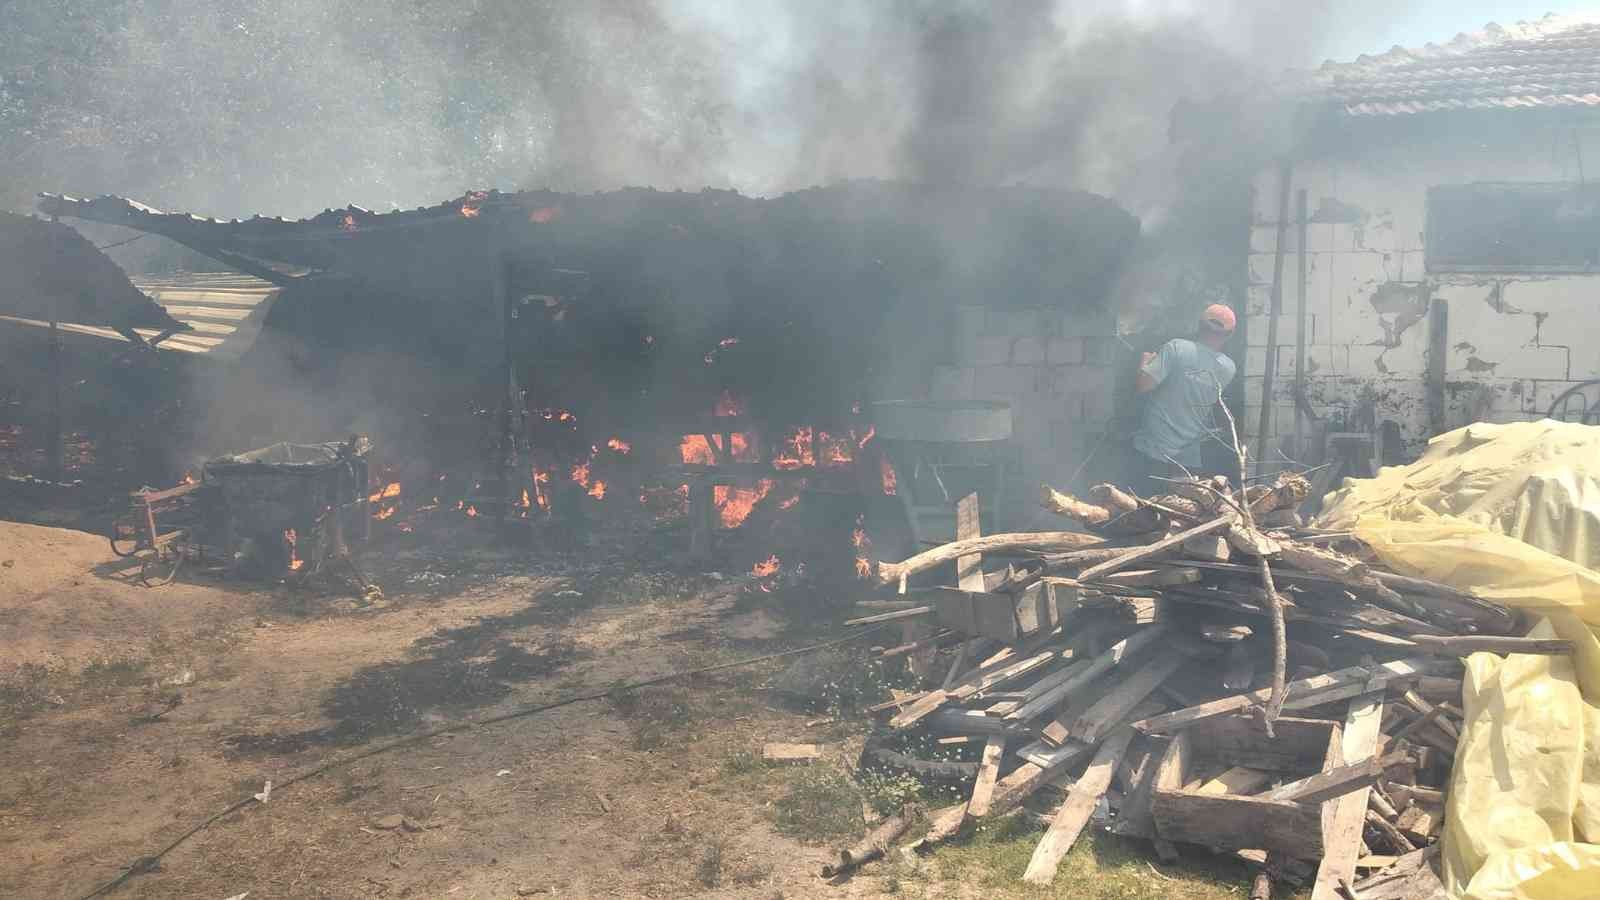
x=1513 y=340
x=1051 y=365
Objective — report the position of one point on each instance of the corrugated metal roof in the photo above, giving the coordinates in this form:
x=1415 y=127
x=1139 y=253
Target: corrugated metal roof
x=224 y=311
x=1554 y=62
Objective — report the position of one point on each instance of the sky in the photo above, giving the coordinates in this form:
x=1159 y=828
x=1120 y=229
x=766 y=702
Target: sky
x=1437 y=21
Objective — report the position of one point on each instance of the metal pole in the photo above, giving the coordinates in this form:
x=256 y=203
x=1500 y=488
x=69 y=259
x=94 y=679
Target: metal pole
x=1300 y=335
x=1285 y=173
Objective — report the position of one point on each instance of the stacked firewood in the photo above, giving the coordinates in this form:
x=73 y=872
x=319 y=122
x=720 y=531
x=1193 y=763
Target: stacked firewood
x=1197 y=669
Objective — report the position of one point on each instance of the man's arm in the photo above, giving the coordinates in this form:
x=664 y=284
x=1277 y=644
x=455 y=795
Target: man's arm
x=1153 y=369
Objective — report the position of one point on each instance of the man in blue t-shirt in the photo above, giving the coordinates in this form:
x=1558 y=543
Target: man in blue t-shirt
x=1184 y=380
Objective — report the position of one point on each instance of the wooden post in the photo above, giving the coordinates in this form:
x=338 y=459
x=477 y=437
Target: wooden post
x=1438 y=348
x=1264 y=428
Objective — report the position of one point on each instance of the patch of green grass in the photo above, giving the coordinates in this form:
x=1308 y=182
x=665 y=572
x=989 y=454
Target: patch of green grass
x=25 y=690
x=822 y=804
x=888 y=792
x=709 y=870
x=744 y=762
x=1099 y=867
x=118 y=672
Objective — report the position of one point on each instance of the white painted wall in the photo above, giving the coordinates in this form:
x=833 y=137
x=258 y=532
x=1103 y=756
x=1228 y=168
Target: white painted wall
x=1516 y=340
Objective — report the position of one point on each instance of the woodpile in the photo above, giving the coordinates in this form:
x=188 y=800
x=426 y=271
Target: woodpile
x=1194 y=669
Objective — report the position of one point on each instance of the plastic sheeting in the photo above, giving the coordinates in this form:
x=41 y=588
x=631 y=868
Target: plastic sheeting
x=1510 y=513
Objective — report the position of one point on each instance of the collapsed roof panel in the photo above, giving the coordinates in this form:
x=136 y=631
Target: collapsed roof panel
x=50 y=271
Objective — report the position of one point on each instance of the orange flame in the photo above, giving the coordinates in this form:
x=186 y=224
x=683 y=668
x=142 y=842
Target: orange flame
x=887 y=476
x=290 y=538
x=540 y=478
x=188 y=478
x=620 y=446
x=384 y=513
x=766 y=567
x=835 y=451
x=472 y=512
x=863 y=548
x=872 y=431
x=789 y=503
x=694 y=449
x=580 y=474
x=796 y=450
x=390 y=490
x=742 y=450
x=735 y=504
x=348 y=223
x=598 y=490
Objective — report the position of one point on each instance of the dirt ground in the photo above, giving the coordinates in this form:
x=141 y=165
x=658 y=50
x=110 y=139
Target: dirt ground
x=129 y=714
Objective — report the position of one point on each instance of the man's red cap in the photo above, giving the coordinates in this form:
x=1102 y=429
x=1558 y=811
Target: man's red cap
x=1218 y=318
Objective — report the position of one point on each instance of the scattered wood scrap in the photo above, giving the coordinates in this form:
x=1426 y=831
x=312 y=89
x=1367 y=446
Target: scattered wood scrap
x=1133 y=675
x=791 y=753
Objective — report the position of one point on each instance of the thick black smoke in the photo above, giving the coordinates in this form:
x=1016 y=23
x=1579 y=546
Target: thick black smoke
x=232 y=107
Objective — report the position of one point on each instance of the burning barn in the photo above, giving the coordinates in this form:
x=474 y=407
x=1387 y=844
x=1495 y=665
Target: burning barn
x=707 y=354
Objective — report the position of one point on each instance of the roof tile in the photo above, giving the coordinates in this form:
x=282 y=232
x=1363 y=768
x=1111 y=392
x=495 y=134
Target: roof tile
x=1554 y=62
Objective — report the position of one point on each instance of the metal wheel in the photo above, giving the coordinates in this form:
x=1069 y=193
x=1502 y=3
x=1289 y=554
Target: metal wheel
x=126 y=535
x=1579 y=403
x=157 y=570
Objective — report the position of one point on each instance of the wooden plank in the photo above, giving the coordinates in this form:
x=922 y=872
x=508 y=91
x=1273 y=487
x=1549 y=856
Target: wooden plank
x=1101 y=664
x=1238 y=823
x=981 y=682
x=1345 y=817
x=1335 y=782
x=988 y=774
x=911 y=613
x=966 y=721
x=1080 y=804
x=1411 y=793
x=931 y=768
x=974 y=614
x=1302 y=693
x=1139 y=554
x=958 y=666
x=1100 y=718
x=1133 y=818
x=1041 y=754
x=1462 y=645
x=919 y=710
x=969 y=568
x=1028 y=777
x=1237 y=780
x=790 y=753
x=885 y=605
x=1157 y=577
x=1420 y=823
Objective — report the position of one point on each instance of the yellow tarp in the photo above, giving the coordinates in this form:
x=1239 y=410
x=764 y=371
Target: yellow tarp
x=1511 y=513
